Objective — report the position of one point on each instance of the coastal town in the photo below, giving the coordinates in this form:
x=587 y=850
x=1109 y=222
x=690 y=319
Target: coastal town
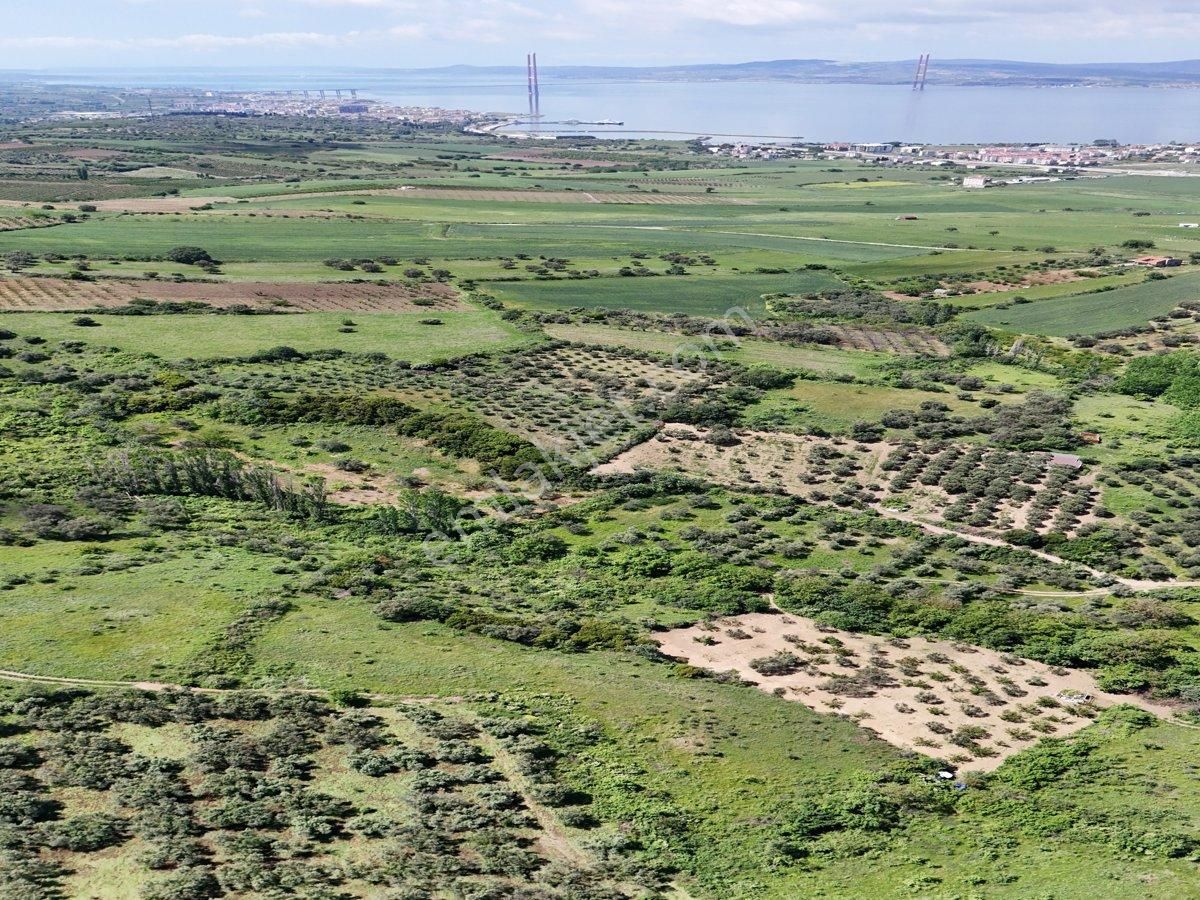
x=1099 y=154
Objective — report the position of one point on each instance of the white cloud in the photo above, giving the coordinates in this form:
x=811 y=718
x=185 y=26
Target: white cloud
x=616 y=31
x=1069 y=18
x=183 y=42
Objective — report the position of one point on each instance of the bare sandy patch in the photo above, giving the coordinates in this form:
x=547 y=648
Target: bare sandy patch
x=92 y=153
x=888 y=340
x=968 y=705
x=20 y=223
x=155 y=204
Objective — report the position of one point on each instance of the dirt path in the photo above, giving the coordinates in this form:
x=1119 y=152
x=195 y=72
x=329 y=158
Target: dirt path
x=1136 y=584
x=794 y=237
x=554 y=839
x=788 y=237
x=157 y=686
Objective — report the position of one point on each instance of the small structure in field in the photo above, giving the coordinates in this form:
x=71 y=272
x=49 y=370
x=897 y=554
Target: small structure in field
x=1158 y=262
x=1069 y=460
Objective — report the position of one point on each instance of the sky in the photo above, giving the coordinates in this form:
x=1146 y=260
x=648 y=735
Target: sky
x=420 y=33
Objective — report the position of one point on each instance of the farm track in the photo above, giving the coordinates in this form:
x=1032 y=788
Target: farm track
x=159 y=686
x=1135 y=584
x=786 y=237
x=189 y=204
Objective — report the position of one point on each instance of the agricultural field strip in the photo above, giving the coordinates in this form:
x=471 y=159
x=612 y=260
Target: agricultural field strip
x=188 y=204
x=40 y=293
x=789 y=237
x=160 y=686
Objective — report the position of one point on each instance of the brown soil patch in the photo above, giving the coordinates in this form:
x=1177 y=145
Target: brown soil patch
x=1031 y=279
x=19 y=223
x=60 y=294
x=157 y=204
x=900 y=688
x=888 y=340
x=353 y=489
x=92 y=153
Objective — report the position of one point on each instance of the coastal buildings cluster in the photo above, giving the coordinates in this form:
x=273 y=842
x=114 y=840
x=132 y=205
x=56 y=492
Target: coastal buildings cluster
x=319 y=103
x=1099 y=155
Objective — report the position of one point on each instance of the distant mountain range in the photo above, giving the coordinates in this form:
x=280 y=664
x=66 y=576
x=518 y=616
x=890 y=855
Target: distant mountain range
x=978 y=72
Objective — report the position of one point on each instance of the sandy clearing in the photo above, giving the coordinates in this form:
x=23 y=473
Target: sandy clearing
x=892 y=340
x=916 y=682
x=92 y=153
x=154 y=204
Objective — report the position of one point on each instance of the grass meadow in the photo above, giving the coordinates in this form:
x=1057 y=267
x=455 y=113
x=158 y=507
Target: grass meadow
x=1091 y=313
x=205 y=336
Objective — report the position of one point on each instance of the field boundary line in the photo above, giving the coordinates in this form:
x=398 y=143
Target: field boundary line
x=1131 y=583
x=160 y=686
x=788 y=237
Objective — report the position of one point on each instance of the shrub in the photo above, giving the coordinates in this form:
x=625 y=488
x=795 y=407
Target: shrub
x=189 y=256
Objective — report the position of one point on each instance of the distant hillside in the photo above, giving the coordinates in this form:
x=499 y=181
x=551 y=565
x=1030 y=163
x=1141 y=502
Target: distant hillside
x=950 y=71
x=982 y=72
x=816 y=71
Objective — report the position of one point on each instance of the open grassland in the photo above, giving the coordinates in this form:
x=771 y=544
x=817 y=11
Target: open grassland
x=247 y=238
x=121 y=612
x=1045 y=291
x=402 y=335
x=699 y=296
x=826 y=360
x=836 y=407
x=1092 y=313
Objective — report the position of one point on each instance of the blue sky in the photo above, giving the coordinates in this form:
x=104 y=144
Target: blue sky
x=404 y=33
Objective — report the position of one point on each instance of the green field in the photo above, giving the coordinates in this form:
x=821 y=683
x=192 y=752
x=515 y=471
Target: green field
x=411 y=589
x=1092 y=313
x=399 y=335
x=826 y=360
x=699 y=296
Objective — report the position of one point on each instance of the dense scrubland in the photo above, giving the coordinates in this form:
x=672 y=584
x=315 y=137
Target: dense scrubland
x=358 y=488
